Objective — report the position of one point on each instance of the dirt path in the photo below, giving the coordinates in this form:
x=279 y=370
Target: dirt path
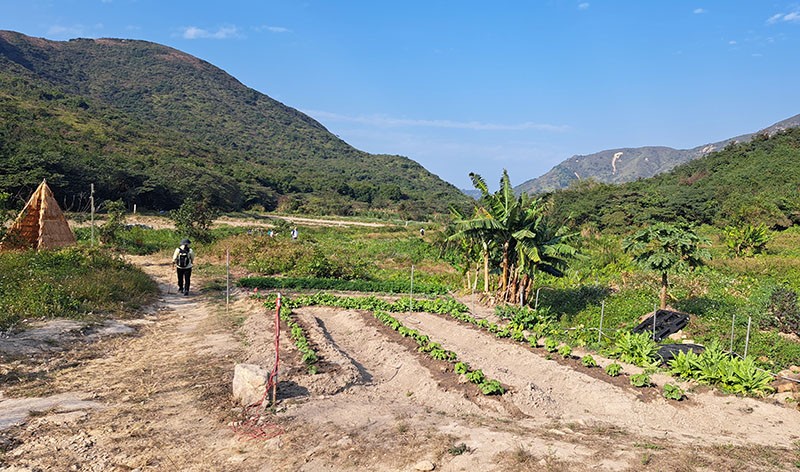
x=158 y=398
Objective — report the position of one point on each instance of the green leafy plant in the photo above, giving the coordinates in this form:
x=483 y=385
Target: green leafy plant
x=613 y=369
x=588 y=361
x=635 y=348
x=565 y=351
x=748 y=240
x=461 y=368
x=550 y=345
x=476 y=376
x=458 y=449
x=673 y=392
x=640 y=380
x=491 y=387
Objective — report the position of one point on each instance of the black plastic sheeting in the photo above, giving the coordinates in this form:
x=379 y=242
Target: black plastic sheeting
x=668 y=351
x=667 y=322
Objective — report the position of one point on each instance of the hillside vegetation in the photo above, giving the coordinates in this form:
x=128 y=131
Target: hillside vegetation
x=754 y=182
x=620 y=165
x=152 y=125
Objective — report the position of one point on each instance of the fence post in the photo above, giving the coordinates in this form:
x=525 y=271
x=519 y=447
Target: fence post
x=411 y=292
x=747 y=339
x=655 y=310
x=91 y=199
x=277 y=349
x=602 y=313
x=227 y=279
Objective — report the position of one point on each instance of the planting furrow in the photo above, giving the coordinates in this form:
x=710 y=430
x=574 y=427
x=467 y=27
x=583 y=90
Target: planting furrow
x=385 y=367
x=543 y=388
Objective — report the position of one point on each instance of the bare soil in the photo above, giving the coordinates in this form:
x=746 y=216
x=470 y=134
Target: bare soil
x=155 y=394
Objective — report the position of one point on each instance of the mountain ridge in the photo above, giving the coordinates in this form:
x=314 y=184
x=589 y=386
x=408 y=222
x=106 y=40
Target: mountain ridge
x=622 y=165
x=167 y=125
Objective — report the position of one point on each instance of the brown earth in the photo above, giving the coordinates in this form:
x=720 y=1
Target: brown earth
x=154 y=394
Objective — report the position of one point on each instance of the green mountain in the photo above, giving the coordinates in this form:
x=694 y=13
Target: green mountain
x=756 y=181
x=629 y=164
x=153 y=125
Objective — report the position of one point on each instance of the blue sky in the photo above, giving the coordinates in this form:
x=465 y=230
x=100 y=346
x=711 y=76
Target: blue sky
x=467 y=86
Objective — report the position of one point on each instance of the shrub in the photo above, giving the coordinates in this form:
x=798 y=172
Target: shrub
x=783 y=312
x=747 y=240
x=193 y=219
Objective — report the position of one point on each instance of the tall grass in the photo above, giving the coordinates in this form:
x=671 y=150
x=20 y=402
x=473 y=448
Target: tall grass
x=72 y=283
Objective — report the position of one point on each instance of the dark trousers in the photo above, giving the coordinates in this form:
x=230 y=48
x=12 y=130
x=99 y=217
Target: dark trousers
x=184 y=277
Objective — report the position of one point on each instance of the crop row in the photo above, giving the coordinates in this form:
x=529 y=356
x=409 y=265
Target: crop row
x=319 y=283
x=380 y=309
x=296 y=332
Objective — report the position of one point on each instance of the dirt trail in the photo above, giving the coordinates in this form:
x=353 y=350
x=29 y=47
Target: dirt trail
x=159 y=398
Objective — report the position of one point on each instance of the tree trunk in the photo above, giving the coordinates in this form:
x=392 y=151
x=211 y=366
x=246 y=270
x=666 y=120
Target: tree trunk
x=663 y=294
x=475 y=281
x=485 y=267
x=504 y=277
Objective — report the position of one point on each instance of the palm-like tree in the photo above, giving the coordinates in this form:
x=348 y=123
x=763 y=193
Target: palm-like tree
x=666 y=248
x=517 y=225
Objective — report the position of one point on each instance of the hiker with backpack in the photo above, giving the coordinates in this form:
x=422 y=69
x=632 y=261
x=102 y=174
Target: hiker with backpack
x=182 y=258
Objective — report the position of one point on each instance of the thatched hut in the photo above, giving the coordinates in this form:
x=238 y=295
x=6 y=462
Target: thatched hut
x=40 y=225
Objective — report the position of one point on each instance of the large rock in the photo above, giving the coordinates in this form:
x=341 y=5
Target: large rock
x=788 y=380
x=249 y=383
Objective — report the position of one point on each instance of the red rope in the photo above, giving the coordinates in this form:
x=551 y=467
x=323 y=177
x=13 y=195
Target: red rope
x=252 y=425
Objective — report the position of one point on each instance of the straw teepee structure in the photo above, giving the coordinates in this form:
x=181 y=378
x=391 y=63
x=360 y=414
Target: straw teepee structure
x=40 y=225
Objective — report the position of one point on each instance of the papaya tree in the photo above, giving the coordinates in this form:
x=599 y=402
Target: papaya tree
x=666 y=248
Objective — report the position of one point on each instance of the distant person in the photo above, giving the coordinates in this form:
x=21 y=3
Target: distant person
x=422 y=231
x=183 y=258
x=270 y=233
x=294 y=233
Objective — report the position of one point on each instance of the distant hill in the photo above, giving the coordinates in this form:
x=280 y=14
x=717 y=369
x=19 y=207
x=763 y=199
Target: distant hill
x=153 y=125
x=754 y=181
x=628 y=164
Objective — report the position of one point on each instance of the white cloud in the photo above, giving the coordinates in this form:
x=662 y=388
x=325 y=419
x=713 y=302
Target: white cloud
x=385 y=121
x=583 y=6
x=732 y=42
x=225 y=32
x=791 y=17
x=278 y=29
x=699 y=11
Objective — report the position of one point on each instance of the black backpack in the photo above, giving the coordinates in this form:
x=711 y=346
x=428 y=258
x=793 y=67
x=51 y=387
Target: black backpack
x=183 y=257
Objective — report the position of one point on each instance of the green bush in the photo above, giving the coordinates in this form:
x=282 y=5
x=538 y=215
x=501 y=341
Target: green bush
x=747 y=240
